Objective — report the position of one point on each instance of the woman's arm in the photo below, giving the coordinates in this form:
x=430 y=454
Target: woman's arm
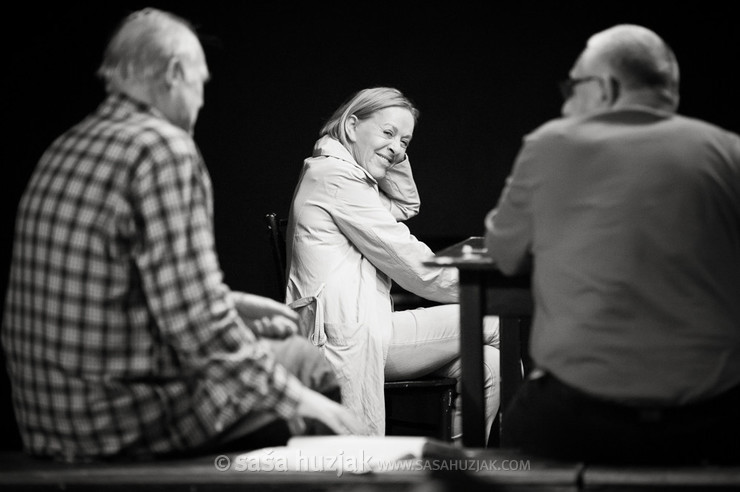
x=388 y=244
x=398 y=191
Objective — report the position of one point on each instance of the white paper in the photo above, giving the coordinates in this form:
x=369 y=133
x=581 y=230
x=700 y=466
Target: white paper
x=336 y=454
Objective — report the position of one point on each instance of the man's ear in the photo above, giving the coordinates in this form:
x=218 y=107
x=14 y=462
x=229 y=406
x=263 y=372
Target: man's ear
x=616 y=89
x=350 y=128
x=611 y=90
x=175 y=72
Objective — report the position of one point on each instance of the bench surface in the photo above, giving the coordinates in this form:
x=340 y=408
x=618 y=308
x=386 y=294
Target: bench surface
x=478 y=470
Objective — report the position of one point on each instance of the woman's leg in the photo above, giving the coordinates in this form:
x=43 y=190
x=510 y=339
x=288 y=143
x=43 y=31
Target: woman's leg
x=423 y=340
x=426 y=341
x=491 y=388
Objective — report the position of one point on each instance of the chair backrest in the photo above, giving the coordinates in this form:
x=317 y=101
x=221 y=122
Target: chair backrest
x=276 y=227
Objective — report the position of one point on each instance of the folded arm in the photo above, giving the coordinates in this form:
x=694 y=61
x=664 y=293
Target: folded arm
x=398 y=191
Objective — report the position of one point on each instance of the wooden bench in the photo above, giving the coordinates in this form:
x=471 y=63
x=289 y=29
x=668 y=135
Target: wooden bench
x=684 y=479
x=20 y=472
x=476 y=470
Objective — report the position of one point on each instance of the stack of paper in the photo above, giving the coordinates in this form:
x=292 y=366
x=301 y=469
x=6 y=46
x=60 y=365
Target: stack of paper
x=343 y=454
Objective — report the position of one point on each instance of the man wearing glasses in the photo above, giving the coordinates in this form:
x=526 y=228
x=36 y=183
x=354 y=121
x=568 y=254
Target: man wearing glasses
x=629 y=217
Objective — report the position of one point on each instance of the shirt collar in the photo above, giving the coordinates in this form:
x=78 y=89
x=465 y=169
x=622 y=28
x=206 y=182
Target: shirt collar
x=120 y=104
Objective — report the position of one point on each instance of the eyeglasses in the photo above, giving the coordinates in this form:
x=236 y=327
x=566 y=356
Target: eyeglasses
x=568 y=85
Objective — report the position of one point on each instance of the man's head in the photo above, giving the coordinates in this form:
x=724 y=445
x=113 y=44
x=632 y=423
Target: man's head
x=155 y=57
x=625 y=64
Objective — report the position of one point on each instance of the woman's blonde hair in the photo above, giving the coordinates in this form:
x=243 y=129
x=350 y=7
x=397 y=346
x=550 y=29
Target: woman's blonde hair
x=362 y=105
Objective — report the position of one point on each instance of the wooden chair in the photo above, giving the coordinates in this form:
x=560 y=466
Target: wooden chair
x=415 y=407
x=276 y=234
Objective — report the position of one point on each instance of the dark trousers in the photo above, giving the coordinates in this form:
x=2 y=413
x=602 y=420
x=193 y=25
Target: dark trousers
x=551 y=419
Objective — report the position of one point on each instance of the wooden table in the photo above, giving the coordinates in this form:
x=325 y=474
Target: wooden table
x=484 y=290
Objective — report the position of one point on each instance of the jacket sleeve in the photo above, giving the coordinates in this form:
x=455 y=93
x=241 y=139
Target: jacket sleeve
x=508 y=226
x=388 y=244
x=398 y=192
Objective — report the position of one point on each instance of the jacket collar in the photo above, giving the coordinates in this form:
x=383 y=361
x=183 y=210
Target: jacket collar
x=327 y=146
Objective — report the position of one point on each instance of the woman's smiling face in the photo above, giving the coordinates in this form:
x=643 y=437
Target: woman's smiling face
x=380 y=141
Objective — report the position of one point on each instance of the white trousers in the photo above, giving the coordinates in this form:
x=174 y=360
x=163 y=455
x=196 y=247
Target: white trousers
x=426 y=341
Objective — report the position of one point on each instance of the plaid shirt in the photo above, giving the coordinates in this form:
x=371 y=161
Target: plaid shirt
x=120 y=335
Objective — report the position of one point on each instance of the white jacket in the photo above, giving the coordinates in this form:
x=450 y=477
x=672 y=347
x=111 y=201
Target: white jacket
x=344 y=246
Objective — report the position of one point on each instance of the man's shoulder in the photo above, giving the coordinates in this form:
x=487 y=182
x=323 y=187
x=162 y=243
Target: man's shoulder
x=157 y=139
x=127 y=120
x=551 y=128
x=148 y=126
x=703 y=127
x=630 y=116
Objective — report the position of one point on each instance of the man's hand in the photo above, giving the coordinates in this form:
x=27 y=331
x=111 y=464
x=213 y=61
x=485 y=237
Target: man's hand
x=264 y=316
x=337 y=417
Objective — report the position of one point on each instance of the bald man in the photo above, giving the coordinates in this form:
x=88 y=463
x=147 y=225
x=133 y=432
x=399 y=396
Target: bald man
x=629 y=217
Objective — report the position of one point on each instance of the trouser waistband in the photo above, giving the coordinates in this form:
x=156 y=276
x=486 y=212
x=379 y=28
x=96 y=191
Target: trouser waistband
x=644 y=412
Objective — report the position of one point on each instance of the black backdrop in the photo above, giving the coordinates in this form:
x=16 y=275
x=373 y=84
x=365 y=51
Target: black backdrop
x=482 y=76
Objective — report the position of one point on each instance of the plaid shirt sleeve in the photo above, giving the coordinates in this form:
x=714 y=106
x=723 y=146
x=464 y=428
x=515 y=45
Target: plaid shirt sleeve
x=182 y=282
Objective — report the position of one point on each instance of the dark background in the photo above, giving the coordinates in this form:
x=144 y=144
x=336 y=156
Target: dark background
x=483 y=74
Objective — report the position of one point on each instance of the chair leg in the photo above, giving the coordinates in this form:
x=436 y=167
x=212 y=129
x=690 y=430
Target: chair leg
x=447 y=414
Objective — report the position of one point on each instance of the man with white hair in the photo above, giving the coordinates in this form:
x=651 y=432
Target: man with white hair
x=629 y=216
x=121 y=338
